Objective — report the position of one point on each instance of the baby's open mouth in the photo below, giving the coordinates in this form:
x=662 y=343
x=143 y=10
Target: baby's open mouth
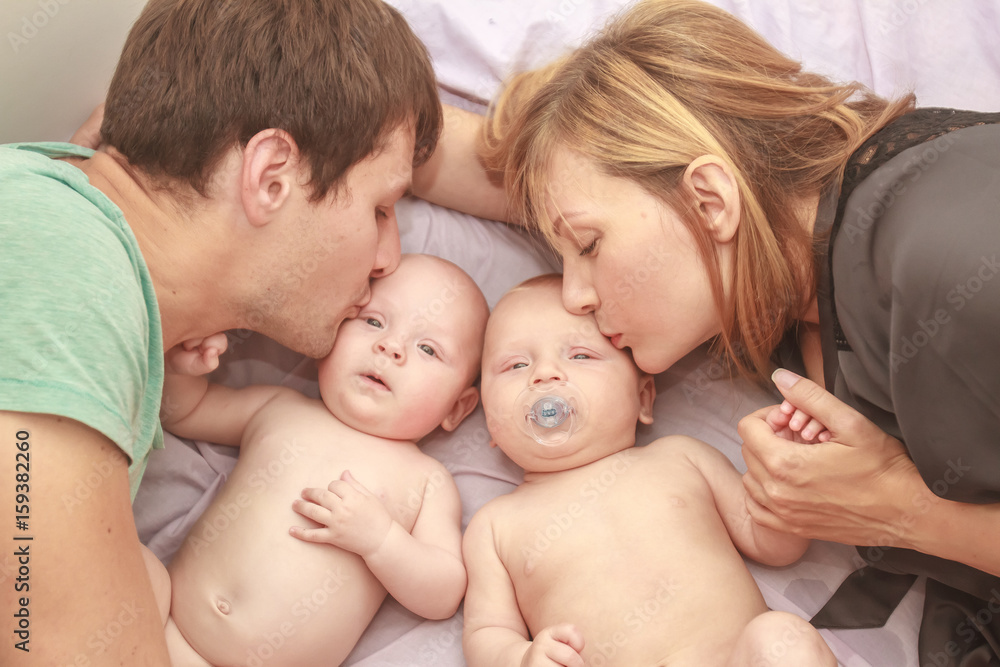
x=377 y=380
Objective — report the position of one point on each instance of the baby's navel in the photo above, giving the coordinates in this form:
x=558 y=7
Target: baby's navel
x=223 y=606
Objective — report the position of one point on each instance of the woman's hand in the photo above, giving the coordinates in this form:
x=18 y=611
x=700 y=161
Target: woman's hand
x=858 y=487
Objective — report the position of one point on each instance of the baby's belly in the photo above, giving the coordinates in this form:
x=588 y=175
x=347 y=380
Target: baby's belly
x=680 y=602
x=246 y=593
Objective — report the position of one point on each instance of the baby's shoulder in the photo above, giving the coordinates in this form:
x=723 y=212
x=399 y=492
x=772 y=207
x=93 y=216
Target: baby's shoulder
x=678 y=448
x=498 y=508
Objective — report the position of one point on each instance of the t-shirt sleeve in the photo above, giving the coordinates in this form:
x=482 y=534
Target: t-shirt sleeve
x=75 y=325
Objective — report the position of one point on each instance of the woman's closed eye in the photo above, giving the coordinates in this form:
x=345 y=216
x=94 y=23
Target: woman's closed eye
x=589 y=249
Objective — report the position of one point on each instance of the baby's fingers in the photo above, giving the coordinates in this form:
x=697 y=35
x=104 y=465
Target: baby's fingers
x=311 y=509
x=559 y=645
x=315 y=535
x=777 y=419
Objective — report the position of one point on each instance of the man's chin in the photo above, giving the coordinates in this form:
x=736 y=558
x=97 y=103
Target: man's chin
x=313 y=344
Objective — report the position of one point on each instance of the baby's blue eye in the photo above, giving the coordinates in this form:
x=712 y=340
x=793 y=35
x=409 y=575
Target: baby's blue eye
x=427 y=349
x=519 y=364
x=581 y=356
x=373 y=322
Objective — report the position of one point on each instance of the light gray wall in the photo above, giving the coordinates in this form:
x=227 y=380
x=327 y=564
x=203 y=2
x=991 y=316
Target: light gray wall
x=56 y=60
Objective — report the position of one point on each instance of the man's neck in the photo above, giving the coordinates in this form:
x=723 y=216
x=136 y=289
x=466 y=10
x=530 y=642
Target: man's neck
x=181 y=248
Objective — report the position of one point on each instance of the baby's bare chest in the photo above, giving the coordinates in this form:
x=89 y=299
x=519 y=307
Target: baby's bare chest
x=279 y=458
x=618 y=511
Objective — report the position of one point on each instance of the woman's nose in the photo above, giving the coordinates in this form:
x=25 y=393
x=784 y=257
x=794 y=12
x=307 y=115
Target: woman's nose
x=579 y=296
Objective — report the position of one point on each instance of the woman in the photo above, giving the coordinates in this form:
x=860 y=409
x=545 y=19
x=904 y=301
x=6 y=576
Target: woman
x=699 y=186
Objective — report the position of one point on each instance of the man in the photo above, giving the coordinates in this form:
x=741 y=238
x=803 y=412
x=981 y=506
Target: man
x=253 y=154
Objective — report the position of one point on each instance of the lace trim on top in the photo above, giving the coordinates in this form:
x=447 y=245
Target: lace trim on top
x=909 y=130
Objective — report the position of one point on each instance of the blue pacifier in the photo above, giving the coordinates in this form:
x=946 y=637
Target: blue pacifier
x=552 y=412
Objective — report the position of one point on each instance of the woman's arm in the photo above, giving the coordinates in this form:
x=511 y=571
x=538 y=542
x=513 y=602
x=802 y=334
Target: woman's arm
x=454 y=176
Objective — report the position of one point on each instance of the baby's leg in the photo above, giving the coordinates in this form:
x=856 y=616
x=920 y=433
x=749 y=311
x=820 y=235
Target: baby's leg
x=181 y=653
x=780 y=639
x=160 y=579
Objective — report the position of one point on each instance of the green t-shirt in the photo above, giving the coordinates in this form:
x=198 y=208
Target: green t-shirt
x=79 y=325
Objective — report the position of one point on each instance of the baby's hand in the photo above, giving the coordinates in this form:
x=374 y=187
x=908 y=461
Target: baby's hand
x=197 y=356
x=352 y=518
x=793 y=424
x=558 y=645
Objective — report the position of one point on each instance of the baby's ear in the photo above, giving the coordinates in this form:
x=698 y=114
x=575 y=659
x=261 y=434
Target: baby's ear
x=647 y=395
x=466 y=403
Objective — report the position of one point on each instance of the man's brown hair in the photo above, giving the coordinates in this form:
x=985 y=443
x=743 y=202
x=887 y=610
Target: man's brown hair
x=199 y=77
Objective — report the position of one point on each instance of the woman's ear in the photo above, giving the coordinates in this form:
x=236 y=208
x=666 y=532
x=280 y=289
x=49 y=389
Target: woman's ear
x=647 y=396
x=713 y=184
x=270 y=170
x=466 y=403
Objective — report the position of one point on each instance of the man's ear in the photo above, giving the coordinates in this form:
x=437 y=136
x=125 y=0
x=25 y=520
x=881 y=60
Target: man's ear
x=711 y=180
x=647 y=395
x=466 y=403
x=270 y=170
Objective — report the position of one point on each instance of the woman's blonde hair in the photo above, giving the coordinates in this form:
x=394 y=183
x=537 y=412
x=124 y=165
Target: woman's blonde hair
x=664 y=83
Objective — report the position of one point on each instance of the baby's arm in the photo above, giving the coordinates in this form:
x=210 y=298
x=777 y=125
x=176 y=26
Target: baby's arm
x=761 y=544
x=194 y=408
x=495 y=634
x=796 y=425
x=423 y=570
